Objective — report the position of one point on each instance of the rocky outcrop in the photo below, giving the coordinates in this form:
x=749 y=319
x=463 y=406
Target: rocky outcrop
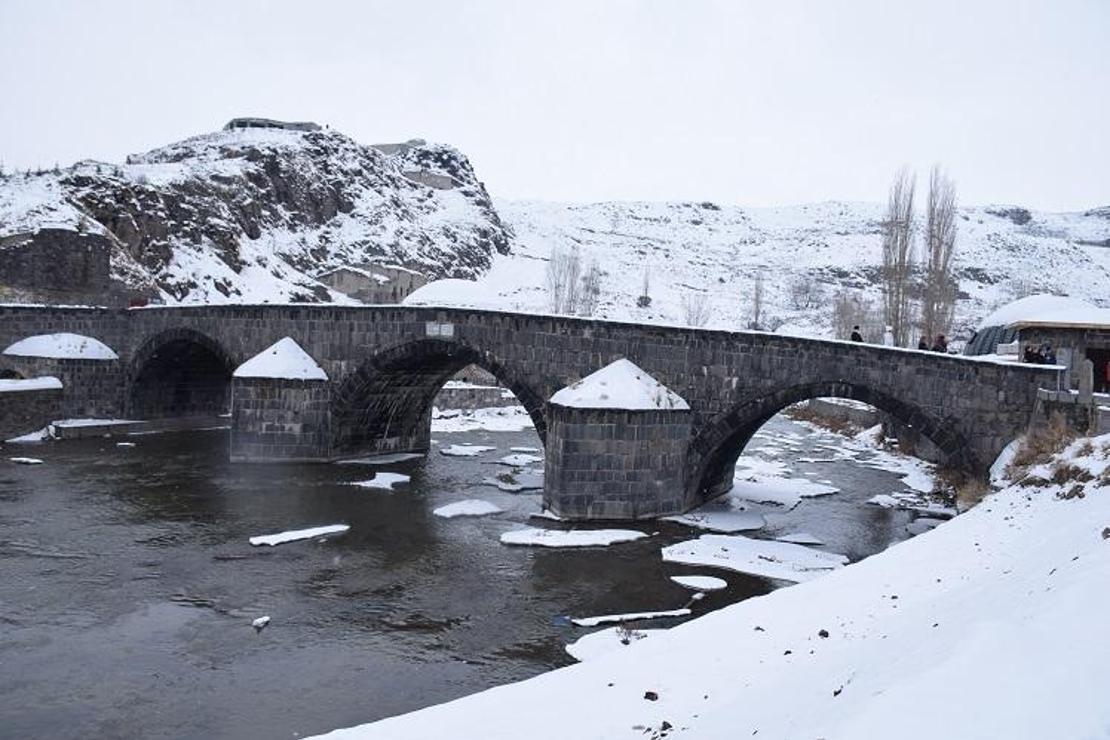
x=250 y=213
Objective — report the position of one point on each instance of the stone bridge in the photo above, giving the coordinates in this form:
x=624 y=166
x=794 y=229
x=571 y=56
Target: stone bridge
x=385 y=365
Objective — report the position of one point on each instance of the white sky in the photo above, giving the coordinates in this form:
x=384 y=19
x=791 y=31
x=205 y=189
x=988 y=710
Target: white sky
x=751 y=103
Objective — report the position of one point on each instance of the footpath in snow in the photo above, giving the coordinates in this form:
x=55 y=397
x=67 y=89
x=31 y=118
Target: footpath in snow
x=991 y=625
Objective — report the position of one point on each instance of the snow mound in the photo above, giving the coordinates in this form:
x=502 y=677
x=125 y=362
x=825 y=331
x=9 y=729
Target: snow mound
x=283 y=359
x=782 y=561
x=469 y=507
x=62 y=346
x=573 y=538
x=453 y=292
x=44 y=383
x=1044 y=308
x=619 y=385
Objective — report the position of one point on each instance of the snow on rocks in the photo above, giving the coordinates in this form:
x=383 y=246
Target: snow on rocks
x=536 y=537
x=19 y=385
x=25 y=460
x=630 y=617
x=284 y=359
x=782 y=561
x=524 y=480
x=605 y=641
x=298 y=534
x=383 y=481
x=726 y=521
x=62 y=346
x=465 y=450
x=701 y=583
x=519 y=459
x=913 y=502
x=619 y=385
x=493 y=419
x=468 y=507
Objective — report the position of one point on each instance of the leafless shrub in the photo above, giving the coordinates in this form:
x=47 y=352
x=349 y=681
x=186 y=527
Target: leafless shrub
x=591 y=290
x=805 y=292
x=695 y=308
x=1041 y=444
x=898 y=256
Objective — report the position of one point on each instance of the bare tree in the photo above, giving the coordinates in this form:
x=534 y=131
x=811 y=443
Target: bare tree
x=851 y=310
x=563 y=271
x=938 y=295
x=898 y=256
x=645 y=297
x=591 y=290
x=756 y=315
x=805 y=292
x=695 y=309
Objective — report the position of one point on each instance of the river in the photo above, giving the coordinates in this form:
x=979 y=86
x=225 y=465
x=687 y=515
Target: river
x=129 y=587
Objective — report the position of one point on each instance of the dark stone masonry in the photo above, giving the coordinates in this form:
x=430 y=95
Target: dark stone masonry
x=280 y=420
x=386 y=365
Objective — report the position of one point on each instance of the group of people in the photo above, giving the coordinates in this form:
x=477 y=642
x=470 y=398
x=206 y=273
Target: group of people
x=940 y=344
x=1044 y=355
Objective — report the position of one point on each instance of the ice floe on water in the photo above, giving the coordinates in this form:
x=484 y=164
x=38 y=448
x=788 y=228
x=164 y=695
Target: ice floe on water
x=468 y=507
x=605 y=641
x=517 y=482
x=800 y=538
x=519 y=459
x=629 y=617
x=910 y=501
x=383 y=480
x=293 y=535
x=536 y=537
x=25 y=460
x=465 y=450
x=701 y=583
x=125 y=444
x=387 y=459
x=783 y=561
x=765 y=482
x=719 y=520
x=524 y=449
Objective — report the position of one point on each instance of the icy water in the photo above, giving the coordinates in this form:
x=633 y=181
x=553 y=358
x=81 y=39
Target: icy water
x=127 y=585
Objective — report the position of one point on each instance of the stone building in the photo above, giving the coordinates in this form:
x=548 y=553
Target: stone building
x=55 y=266
x=1075 y=331
x=373 y=284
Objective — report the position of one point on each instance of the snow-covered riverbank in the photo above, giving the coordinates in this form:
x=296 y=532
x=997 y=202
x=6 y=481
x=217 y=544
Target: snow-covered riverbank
x=991 y=625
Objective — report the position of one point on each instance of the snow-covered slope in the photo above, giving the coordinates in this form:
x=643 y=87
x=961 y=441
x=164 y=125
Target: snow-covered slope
x=1003 y=252
x=252 y=214
x=993 y=625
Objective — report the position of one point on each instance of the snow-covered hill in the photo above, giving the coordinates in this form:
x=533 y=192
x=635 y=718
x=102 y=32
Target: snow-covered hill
x=252 y=214
x=806 y=254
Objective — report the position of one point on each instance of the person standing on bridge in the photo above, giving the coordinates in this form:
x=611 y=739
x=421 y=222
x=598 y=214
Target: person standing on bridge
x=923 y=343
x=856 y=336
x=941 y=344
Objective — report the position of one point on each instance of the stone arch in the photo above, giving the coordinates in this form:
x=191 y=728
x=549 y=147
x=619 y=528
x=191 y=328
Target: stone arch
x=716 y=447
x=179 y=372
x=7 y=373
x=386 y=403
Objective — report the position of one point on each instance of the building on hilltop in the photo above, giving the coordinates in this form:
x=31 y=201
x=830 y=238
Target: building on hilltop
x=250 y=122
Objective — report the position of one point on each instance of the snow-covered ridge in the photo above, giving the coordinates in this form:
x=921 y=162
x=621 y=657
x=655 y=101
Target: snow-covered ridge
x=246 y=215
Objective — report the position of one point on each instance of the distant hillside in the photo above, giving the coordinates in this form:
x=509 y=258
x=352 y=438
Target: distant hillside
x=805 y=253
x=252 y=214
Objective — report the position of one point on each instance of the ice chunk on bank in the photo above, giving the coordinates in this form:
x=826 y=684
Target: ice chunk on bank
x=283 y=359
x=525 y=480
x=384 y=481
x=923 y=524
x=605 y=641
x=701 y=583
x=630 y=617
x=619 y=385
x=492 y=419
x=465 y=450
x=298 y=534
x=468 y=507
x=388 y=459
x=767 y=558
x=519 y=460
x=40 y=436
x=19 y=385
x=572 y=538
x=800 y=538
x=912 y=502
x=62 y=346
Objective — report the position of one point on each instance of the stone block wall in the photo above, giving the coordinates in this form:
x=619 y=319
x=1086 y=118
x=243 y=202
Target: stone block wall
x=23 y=412
x=60 y=265
x=613 y=464
x=93 y=388
x=280 y=420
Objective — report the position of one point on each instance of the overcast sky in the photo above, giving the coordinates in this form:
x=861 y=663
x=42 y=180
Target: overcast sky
x=750 y=103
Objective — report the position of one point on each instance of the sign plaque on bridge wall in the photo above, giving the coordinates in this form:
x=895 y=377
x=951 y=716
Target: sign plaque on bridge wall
x=438 y=329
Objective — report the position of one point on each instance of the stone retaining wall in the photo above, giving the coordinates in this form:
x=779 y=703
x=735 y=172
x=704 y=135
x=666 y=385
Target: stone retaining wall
x=23 y=412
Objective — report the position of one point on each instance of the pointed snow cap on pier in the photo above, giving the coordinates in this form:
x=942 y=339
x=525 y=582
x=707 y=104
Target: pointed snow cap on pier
x=62 y=346
x=620 y=385
x=283 y=359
